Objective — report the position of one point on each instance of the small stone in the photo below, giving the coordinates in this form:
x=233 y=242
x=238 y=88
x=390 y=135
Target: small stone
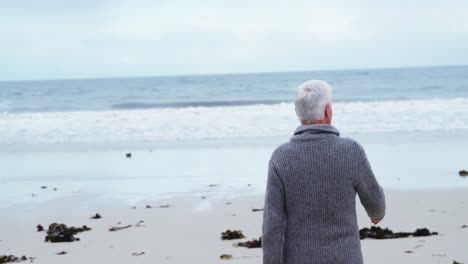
x=43 y=187
x=62 y=253
x=148 y=206
x=463 y=173
x=257 y=210
x=40 y=228
x=225 y=256
x=408 y=251
x=128 y=155
x=136 y=254
x=96 y=216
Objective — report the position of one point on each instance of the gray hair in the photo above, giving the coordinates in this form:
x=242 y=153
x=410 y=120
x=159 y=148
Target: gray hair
x=312 y=97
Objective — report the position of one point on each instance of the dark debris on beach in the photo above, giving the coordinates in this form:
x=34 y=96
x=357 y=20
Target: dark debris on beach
x=161 y=206
x=225 y=256
x=376 y=232
x=117 y=228
x=96 y=216
x=232 y=234
x=463 y=173
x=62 y=233
x=12 y=258
x=254 y=243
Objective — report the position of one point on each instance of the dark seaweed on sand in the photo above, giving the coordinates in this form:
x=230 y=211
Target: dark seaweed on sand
x=62 y=233
x=254 y=243
x=12 y=258
x=230 y=235
x=385 y=233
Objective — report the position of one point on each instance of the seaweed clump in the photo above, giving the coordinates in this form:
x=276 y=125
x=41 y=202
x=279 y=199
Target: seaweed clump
x=230 y=235
x=254 y=243
x=62 y=233
x=12 y=258
x=385 y=233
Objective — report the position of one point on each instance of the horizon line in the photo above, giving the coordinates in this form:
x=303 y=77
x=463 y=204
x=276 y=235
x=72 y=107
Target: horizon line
x=231 y=73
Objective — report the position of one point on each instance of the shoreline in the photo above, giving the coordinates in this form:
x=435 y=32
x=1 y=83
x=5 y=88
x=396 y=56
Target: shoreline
x=156 y=171
x=189 y=230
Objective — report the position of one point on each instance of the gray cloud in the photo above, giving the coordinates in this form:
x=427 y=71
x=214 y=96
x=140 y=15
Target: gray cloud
x=64 y=39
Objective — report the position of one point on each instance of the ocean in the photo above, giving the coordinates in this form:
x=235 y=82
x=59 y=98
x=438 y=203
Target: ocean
x=228 y=90
x=186 y=132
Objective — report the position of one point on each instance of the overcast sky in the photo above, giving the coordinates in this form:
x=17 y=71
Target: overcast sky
x=90 y=38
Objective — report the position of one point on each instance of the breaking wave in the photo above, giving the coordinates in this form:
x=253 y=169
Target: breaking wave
x=202 y=122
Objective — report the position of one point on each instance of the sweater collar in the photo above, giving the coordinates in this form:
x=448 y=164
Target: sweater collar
x=314 y=132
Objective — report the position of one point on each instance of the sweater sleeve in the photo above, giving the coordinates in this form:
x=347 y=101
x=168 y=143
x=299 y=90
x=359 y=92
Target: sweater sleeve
x=370 y=193
x=274 y=219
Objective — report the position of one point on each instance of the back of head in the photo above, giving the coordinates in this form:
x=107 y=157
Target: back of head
x=311 y=100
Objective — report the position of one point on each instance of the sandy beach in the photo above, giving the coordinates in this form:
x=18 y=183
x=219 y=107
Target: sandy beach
x=189 y=230
x=216 y=189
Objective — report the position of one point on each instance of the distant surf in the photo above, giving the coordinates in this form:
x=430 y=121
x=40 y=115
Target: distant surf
x=137 y=105
x=227 y=121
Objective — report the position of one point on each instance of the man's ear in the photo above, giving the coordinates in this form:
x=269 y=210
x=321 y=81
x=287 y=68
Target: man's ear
x=328 y=113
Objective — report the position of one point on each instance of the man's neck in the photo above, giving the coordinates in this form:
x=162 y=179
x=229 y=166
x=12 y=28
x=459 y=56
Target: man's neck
x=316 y=122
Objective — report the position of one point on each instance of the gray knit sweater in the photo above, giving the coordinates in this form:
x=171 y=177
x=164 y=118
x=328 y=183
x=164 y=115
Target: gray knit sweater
x=310 y=202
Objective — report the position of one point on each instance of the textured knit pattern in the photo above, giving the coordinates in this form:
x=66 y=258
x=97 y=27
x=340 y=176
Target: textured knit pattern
x=310 y=202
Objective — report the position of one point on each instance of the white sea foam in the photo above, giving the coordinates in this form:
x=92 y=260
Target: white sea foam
x=227 y=122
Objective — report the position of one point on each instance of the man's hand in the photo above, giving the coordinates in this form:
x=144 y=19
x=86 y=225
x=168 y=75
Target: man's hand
x=375 y=221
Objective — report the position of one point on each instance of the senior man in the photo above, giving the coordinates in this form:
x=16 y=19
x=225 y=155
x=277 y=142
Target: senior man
x=310 y=202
